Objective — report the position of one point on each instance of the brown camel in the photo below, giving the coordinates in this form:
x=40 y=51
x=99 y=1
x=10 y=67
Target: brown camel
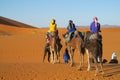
x=53 y=49
x=47 y=50
x=75 y=44
x=55 y=46
x=93 y=48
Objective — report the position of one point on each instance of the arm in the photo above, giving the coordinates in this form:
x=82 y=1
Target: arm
x=74 y=26
x=91 y=27
x=68 y=27
x=99 y=27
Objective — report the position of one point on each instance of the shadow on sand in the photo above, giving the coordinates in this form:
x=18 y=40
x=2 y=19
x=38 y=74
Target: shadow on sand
x=111 y=69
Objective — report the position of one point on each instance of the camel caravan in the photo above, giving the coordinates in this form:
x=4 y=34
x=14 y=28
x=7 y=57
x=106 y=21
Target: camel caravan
x=89 y=42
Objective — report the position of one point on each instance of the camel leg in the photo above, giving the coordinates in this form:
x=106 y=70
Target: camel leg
x=58 y=52
x=71 y=56
x=55 y=56
x=88 y=54
x=51 y=56
x=45 y=51
x=58 y=57
x=96 y=65
x=81 y=60
x=101 y=66
x=100 y=57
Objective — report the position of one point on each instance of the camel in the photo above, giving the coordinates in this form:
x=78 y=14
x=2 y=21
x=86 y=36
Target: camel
x=46 y=51
x=75 y=44
x=93 y=48
x=53 y=48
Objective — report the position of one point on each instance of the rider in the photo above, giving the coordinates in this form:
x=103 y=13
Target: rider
x=71 y=31
x=52 y=30
x=95 y=26
x=95 y=29
x=71 y=28
x=53 y=27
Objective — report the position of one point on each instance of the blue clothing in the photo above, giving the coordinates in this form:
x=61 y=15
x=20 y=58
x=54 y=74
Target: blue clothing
x=95 y=28
x=72 y=29
x=66 y=57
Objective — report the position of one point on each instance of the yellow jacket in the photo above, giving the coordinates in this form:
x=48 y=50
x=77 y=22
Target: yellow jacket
x=53 y=26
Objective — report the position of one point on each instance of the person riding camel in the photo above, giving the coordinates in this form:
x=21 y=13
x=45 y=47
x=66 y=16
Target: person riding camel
x=52 y=30
x=53 y=26
x=95 y=29
x=71 y=31
x=95 y=26
x=71 y=27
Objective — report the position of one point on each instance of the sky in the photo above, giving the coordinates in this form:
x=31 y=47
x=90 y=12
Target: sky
x=39 y=13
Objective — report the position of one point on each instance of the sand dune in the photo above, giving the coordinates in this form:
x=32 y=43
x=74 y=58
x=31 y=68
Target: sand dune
x=10 y=22
x=21 y=55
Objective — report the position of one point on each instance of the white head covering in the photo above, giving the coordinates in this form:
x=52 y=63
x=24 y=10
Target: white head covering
x=114 y=56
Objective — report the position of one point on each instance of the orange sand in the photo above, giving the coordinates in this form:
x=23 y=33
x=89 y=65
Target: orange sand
x=21 y=55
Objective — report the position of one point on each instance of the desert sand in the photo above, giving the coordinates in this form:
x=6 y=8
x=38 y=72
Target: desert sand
x=21 y=54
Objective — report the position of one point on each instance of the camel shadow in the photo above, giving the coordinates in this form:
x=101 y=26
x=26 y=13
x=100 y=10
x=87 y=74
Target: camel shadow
x=111 y=69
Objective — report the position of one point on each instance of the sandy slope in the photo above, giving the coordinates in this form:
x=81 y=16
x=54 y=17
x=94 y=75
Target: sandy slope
x=21 y=56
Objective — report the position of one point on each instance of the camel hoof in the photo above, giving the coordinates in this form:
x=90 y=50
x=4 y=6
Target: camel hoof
x=58 y=61
x=95 y=74
x=54 y=62
x=80 y=69
x=71 y=65
x=51 y=61
x=103 y=73
x=88 y=69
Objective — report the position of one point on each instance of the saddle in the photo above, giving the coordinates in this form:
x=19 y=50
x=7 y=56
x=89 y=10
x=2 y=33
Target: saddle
x=91 y=36
x=68 y=37
x=50 y=35
x=71 y=35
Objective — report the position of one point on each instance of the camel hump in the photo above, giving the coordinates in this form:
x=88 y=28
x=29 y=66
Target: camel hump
x=68 y=36
x=76 y=32
x=93 y=36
